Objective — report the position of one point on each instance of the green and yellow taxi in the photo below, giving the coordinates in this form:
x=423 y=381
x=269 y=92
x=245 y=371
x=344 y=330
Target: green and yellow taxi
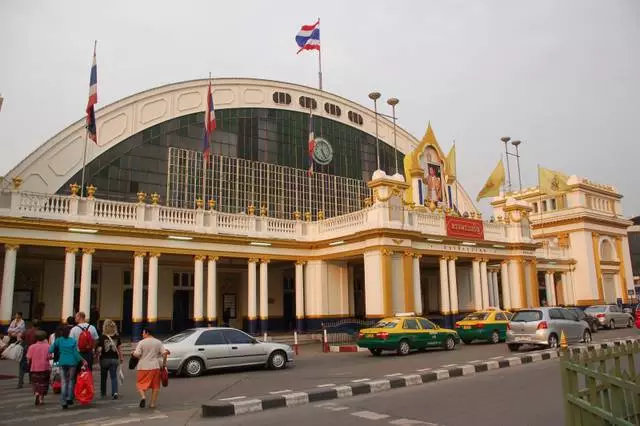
x=404 y=332
x=489 y=325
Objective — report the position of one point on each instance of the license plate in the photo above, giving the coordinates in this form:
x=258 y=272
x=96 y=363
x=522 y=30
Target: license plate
x=369 y=336
x=520 y=339
x=466 y=327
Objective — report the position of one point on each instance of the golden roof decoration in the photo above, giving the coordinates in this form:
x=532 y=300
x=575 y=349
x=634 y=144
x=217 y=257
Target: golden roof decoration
x=412 y=159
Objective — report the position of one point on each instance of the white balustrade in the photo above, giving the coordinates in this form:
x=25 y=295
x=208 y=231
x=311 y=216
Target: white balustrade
x=495 y=231
x=43 y=206
x=116 y=212
x=237 y=224
x=282 y=227
x=176 y=218
x=344 y=222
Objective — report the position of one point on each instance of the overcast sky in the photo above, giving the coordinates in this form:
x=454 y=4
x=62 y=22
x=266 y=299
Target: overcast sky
x=563 y=76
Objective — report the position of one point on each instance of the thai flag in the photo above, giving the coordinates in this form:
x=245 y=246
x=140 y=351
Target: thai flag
x=309 y=37
x=312 y=144
x=93 y=99
x=209 y=123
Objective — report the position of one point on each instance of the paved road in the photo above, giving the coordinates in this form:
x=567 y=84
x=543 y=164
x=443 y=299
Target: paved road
x=181 y=401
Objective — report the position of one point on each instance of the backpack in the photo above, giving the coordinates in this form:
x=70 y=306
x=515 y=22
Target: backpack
x=85 y=340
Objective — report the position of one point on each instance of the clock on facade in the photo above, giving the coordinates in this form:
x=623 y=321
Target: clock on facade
x=322 y=153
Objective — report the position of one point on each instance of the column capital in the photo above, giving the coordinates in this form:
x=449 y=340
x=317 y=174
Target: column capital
x=139 y=253
x=200 y=257
x=386 y=252
x=73 y=250
x=265 y=260
x=595 y=235
x=451 y=258
x=504 y=262
x=408 y=253
x=213 y=258
x=155 y=254
x=300 y=262
x=11 y=246
x=477 y=259
x=253 y=260
x=417 y=256
x=88 y=251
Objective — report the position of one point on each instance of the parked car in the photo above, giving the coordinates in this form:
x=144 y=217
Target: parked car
x=543 y=327
x=593 y=323
x=489 y=325
x=610 y=316
x=404 y=332
x=196 y=350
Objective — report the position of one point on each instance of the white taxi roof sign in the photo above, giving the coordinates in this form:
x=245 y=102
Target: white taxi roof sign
x=405 y=314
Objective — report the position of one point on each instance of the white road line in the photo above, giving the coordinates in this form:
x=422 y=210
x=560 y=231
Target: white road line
x=449 y=365
x=234 y=398
x=85 y=422
x=424 y=369
x=336 y=407
x=404 y=422
x=281 y=391
x=360 y=380
x=475 y=361
x=326 y=385
x=497 y=357
x=393 y=375
x=370 y=415
x=127 y=420
x=49 y=415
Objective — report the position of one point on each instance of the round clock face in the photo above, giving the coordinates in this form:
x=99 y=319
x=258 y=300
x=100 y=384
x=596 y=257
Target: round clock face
x=322 y=153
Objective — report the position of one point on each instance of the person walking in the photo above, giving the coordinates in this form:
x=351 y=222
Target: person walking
x=68 y=360
x=86 y=337
x=152 y=358
x=110 y=356
x=39 y=370
x=26 y=340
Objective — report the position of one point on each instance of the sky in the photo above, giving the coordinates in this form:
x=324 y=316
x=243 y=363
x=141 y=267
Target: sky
x=562 y=76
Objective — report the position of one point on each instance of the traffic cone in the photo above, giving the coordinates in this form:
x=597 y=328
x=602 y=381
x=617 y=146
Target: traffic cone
x=563 y=341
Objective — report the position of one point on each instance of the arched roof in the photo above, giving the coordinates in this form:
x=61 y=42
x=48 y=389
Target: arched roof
x=58 y=159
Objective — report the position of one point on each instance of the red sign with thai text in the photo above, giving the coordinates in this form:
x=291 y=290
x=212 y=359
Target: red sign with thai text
x=465 y=228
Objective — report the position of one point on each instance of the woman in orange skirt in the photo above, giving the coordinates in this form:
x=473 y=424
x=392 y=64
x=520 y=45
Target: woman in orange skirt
x=152 y=358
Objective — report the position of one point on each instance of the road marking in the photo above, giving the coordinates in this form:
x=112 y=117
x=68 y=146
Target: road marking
x=475 y=361
x=133 y=420
x=370 y=415
x=449 y=365
x=497 y=357
x=326 y=385
x=336 y=407
x=280 y=391
x=360 y=380
x=403 y=422
x=424 y=369
x=393 y=375
x=85 y=422
x=234 y=398
x=49 y=415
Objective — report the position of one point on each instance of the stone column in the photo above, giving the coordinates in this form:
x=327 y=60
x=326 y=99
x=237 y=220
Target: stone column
x=300 y=295
x=550 y=288
x=138 y=277
x=212 y=291
x=453 y=288
x=506 y=289
x=8 y=284
x=445 y=307
x=85 y=281
x=565 y=289
x=152 y=294
x=69 y=283
x=264 y=296
x=484 y=284
x=514 y=284
x=417 y=286
x=198 y=291
x=477 y=285
x=251 y=296
x=490 y=287
x=496 y=293
x=351 y=289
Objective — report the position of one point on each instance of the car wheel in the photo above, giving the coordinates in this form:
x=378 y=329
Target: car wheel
x=630 y=323
x=513 y=347
x=586 y=336
x=467 y=341
x=193 y=367
x=612 y=324
x=277 y=360
x=375 y=352
x=449 y=344
x=553 y=341
x=594 y=327
x=495 y=337
x=404 y=348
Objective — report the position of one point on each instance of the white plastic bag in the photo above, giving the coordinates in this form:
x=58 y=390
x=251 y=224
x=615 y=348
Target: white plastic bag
x=14 y=352
x=120 y=375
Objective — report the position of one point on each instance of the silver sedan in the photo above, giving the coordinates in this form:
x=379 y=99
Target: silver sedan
x=610 y=316
x=196 y=350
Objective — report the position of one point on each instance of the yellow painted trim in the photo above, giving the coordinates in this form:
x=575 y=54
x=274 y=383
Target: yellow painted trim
x=263 y=318
x=589 y=302
x=387 y=282
x=623 y=274
x=137 y=320
x=445 y=312
x=252 y=318
x=595 y=238
x=330 y=316
x=212 y=319
x=3 y=322
x=376 y=316
x=535 y=293
x=523 y=285
x=407 y=263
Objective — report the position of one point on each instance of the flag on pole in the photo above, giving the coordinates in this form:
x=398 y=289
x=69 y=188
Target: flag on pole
x=93 y=99
x=450 y=165
x=312 y=144
x=552 y=182
x=209 y=123
x=308 y=37
x=492 y=187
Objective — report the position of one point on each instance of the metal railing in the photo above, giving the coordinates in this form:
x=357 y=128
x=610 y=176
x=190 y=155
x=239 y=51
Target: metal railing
x=345 y=331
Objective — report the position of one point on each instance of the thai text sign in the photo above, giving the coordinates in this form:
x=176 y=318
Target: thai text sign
x=464 y=228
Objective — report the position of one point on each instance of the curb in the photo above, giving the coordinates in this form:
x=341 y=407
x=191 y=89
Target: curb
x=295 y=399
x=347 y=348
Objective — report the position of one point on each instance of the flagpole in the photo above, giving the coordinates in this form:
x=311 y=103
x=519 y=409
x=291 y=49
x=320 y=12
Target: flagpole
x=455 y=165
x=539 y=194
x=86 y=135
x=204 y=154
x=319 y=62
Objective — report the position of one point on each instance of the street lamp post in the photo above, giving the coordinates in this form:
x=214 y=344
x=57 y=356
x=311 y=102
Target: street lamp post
x=516 y=144
x=393 y=102
x=374 y=96
x=506 y=140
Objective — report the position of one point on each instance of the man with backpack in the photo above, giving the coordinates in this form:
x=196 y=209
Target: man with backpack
x=86 y=338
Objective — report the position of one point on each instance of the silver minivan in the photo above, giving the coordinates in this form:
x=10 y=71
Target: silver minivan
x=543 y=327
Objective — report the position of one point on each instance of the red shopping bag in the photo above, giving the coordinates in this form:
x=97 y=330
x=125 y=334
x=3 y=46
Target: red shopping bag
x=164 y=377
x=84 y=387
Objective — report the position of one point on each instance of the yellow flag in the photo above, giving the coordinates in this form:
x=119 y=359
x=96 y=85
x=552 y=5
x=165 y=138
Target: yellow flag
x=552 y=182
x=450 y=164
x=492 y=187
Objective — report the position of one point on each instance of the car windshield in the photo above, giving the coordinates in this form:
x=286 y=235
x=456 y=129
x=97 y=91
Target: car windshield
x=387 y=323
x=180 y=336
x=527 y=316
x=477 y=316
x=596 y=309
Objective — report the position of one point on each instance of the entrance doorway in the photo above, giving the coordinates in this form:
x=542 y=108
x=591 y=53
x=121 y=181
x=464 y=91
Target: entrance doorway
x=288 y=303
x=181 y=310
